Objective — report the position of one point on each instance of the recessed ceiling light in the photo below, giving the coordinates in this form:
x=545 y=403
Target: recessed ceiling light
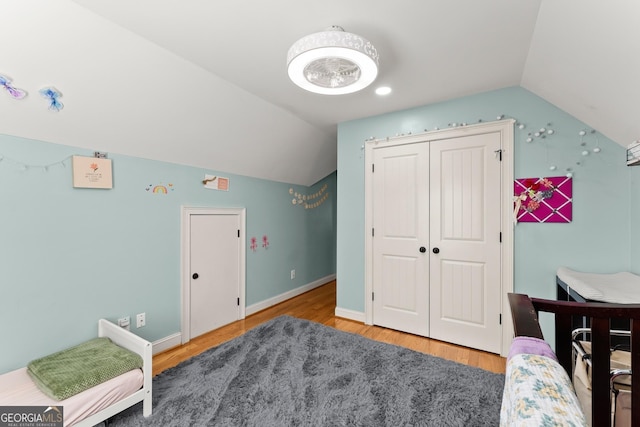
x=383 y=90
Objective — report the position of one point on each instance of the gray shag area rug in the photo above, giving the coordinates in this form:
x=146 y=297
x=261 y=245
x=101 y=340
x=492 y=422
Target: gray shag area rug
x=293 y=372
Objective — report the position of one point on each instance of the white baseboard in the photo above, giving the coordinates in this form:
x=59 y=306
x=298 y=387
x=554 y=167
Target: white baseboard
x=175 y=340
x=358 y=316
x=164 y=344
x=254 y=308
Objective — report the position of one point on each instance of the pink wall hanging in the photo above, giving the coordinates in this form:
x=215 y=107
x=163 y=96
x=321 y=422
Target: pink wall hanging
x=543 y=199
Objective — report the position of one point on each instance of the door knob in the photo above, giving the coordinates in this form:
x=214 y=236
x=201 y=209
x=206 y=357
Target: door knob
x=436 y=250
x=195 y=275
x=423 y=249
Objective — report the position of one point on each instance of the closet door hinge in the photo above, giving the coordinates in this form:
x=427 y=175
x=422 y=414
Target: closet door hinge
x=373 y=167
x=498 y=154
x=500 y=321
x=238 y=233
x=238 y=301
x=373 y=296
x=373 y=232
x=501 y=237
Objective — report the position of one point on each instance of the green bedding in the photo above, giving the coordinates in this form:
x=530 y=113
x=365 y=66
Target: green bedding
x=71 y=371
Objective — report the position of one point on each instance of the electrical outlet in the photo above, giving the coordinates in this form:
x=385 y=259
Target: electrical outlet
x=125 y=322
x=141 y=320
x=293 y=274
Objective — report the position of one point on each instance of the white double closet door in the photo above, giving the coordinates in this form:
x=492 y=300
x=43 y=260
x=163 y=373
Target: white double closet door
x=436 y=239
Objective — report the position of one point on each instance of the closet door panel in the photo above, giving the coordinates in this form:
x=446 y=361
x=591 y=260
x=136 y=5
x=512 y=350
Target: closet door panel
x=400 y=206
x=465 y=217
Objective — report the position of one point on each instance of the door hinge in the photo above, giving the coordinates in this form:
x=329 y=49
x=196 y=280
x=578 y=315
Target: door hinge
x=498 y=154
x=238 y=233
x=501 y=237
x=500 y=321
x=238 y=301
x=373 y=297
x=373 y=233
x=373 y=168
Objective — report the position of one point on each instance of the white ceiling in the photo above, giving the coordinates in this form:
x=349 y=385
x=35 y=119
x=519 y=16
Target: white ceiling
x=204 y=82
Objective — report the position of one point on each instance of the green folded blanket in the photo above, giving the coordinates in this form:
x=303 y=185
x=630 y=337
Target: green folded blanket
x=71 y=371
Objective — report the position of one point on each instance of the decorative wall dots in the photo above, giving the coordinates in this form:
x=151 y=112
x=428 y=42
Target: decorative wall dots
x=531 y=134
x=541 y=133
x=583 y=143
x=546 y=131
x=435 y=128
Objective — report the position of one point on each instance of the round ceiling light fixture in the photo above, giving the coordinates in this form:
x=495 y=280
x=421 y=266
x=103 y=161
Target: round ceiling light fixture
x=332 y=62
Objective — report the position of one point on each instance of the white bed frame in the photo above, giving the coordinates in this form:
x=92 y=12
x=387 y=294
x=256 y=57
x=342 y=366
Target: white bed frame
x=132 y=342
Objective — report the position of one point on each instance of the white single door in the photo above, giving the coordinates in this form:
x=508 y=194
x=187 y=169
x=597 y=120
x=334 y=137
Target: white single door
x=400 y=207
x=465 y=216
x=214 y=271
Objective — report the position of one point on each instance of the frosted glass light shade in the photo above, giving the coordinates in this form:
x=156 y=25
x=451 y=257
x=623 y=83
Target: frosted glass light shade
x=332 y=62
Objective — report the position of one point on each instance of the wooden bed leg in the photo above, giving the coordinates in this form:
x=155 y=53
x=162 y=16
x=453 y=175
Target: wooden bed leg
x=601 y=357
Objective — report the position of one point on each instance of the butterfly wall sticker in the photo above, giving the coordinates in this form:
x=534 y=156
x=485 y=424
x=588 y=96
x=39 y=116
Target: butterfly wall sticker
x=15 y=93
x=52 y=95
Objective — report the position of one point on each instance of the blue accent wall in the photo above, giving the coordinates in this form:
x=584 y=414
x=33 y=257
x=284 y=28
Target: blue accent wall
x=70 y=256
x=599 y=239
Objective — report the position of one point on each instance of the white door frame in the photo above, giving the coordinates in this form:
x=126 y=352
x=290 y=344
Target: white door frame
x=185 y=280
x=505 y=128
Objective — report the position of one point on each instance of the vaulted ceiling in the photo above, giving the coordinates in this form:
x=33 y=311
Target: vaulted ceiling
x=204 y=83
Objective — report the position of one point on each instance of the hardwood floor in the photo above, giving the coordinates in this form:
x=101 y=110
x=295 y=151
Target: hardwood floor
x=318 y=305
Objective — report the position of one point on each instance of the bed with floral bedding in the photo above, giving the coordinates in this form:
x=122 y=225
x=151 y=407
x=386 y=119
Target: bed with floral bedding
x=538 y=391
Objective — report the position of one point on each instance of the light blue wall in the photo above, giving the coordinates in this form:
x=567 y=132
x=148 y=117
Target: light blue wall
x=597 y=240
x=71 y=256
x=634 y=214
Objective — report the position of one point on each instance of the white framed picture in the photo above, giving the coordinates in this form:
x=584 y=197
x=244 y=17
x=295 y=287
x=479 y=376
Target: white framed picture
x=92 y=172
